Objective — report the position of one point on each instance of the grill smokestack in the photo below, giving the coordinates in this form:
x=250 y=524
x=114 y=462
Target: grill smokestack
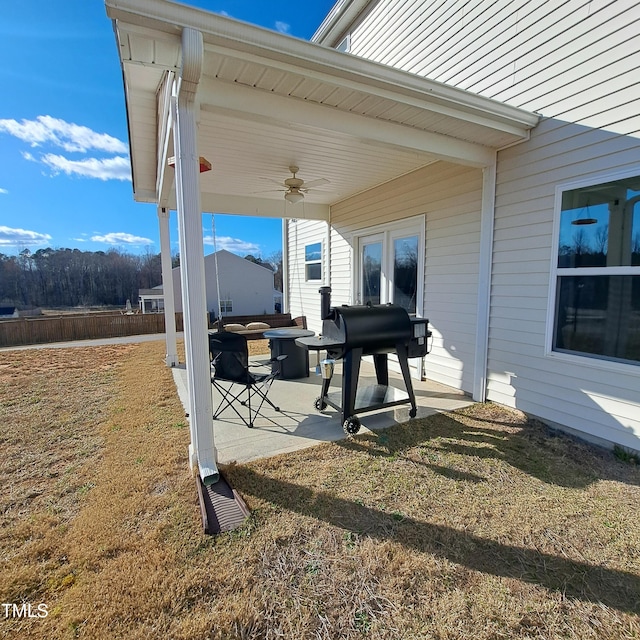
x=325 y=303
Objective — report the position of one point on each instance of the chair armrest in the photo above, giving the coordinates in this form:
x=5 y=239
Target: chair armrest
x=269 y=362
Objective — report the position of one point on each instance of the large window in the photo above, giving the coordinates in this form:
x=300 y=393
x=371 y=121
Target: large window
x=597 y=273
x=390 y=265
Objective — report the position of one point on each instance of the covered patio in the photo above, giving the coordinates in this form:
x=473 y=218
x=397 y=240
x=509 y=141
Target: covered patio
x=204 y=89
x=298 y=425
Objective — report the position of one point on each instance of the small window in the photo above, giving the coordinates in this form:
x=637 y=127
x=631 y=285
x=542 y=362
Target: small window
x=226 y=306
x=313 y=261
x=597 y=288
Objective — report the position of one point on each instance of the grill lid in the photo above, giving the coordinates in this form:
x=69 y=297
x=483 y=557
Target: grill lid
x=368 y=326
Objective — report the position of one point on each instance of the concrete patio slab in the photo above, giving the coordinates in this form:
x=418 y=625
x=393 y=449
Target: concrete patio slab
x=298 y=425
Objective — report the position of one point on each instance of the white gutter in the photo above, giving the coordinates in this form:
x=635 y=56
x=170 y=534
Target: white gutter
x=341 y=17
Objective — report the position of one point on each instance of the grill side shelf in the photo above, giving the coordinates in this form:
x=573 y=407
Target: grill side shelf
x=318 y=343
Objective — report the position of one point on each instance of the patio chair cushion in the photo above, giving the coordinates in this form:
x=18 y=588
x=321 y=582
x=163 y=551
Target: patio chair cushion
x=234 y=327
x=257 y=326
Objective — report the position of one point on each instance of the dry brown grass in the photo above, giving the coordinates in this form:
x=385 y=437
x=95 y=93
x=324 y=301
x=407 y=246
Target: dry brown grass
x=474 y=524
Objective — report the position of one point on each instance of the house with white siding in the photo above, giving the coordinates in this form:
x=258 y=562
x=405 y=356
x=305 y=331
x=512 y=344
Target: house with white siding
x=563 y=295
x=477 y=162
x=562 y=250
x=233 y=285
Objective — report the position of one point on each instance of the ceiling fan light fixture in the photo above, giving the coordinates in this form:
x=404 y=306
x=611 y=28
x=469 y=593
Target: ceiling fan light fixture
x=293 y=196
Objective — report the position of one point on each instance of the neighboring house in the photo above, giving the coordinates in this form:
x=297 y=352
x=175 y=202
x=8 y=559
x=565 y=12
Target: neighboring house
x=479 y=163
x=563 y=305
x=9 y=312
x=246 y=288
x=151 y=300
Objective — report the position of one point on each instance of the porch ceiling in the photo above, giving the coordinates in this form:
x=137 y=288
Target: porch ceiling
x=268 y=101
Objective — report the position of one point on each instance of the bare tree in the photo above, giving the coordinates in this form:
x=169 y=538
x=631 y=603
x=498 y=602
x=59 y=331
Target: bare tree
x=602 y=239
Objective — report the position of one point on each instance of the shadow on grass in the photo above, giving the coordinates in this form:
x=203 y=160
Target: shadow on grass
x=530 y=446
x=616 y=589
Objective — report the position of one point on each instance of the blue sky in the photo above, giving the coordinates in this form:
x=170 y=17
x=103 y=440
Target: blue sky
x=64 y=165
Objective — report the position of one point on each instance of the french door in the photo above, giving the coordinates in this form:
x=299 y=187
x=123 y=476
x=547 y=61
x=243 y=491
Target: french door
x=390 y=267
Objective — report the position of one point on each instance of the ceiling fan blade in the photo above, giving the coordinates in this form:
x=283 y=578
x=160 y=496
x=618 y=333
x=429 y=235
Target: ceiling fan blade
x=278 y=183
x=315 y=183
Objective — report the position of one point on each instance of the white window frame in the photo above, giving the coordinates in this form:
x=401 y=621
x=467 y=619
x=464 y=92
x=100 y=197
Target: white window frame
x=415 y=225
x=388 y=232
x=312 y=262
x=589 y=360
x=224 y=304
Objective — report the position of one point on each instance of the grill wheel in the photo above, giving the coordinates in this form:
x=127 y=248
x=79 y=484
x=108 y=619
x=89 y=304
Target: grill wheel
x=351 y=426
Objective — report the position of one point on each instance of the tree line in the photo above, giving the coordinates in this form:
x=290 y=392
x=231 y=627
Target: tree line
x=54 y=278
x=71 y=277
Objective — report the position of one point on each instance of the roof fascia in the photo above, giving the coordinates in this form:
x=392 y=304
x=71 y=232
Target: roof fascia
x=225 y=34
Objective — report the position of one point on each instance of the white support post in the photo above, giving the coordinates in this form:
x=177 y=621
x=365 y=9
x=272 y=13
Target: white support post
x=487 y=219
x=285 y=266
x=202 y=447
x=171 y=357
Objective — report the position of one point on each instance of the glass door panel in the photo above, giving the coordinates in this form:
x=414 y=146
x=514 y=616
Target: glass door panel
x=405 y=272
x=371 y=275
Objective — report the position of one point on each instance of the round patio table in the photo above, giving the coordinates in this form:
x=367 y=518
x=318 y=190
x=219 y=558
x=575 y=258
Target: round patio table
x=282 y=342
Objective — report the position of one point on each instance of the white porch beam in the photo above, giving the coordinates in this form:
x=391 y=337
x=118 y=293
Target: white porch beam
x=171 y=356
x=487 y=221
x=264 y=207
x=202 y=448
x=237 y=99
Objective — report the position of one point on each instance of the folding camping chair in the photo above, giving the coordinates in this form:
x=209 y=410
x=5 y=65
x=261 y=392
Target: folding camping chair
x=230 y=369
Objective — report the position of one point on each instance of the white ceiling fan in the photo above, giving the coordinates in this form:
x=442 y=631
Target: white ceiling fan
x=295 y=187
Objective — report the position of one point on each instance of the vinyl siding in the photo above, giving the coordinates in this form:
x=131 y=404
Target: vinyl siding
x=596 y=399
x=577 y=64
x=449 y=197
x=249 y=286
x=304 y=299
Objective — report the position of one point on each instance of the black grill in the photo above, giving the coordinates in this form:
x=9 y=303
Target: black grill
x=350 y=332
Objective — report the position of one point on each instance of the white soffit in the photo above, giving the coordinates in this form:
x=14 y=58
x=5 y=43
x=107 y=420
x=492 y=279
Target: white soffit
x=268 y=101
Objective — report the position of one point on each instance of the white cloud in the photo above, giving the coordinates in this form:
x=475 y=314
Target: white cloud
x=116 y=168
x=121 y=238
x=71 y=137
x=234 y=245
x=282 y=27
x=3 y=190
x=21 y=237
